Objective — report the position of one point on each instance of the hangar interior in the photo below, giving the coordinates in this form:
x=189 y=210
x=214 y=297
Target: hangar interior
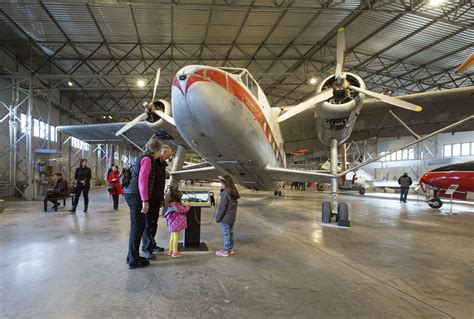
x=95 y=62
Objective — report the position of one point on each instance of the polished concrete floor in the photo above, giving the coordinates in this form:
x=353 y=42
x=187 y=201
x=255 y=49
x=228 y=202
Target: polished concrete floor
x=396 y=261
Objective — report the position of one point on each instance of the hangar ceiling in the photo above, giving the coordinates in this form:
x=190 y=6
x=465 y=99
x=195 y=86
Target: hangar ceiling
x=104 y=47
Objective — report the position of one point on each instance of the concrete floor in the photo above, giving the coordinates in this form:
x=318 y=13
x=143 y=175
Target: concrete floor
x=396 y=261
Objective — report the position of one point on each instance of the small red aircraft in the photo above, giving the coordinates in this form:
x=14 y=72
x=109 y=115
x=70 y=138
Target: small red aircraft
x=442 y=178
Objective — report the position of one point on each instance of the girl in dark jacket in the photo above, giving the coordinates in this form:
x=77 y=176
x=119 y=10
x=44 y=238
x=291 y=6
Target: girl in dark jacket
x=226 y=214
x=82 y=177
x=114 y=181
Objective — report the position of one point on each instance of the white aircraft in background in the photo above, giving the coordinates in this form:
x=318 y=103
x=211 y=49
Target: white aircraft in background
x=223 y=115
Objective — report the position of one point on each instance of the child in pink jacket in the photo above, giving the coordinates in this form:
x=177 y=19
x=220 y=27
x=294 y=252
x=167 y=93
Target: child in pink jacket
x=175 y=214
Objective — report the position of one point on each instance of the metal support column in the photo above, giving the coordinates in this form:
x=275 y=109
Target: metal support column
x=177 y=165
x=29 y=146
x=333 y=171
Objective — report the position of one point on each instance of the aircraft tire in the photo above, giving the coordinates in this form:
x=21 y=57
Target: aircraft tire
x=326 y=213
x=435 y=203
x=343 y=215
x=361 y=191
x=279 y=193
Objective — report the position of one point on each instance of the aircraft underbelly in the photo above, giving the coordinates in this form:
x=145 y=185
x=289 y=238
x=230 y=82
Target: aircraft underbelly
x=218 y=127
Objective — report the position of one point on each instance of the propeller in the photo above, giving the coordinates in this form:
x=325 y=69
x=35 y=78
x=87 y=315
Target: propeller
x=341 y=84
x=388 y=99
x=157 y=80
x=303 y=106
x=143 y=116
x=341 y=47
x=165 y=117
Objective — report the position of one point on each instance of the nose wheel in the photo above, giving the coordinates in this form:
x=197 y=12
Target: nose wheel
x=277 y=193
x=435 y=203
x=342 y=216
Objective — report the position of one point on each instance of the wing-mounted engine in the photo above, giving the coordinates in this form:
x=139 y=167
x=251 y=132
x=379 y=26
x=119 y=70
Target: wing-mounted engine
x=154 y=120
x=337 y=115
x=338 y=101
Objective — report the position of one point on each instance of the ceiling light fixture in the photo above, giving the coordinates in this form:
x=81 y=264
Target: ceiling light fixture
x=140 y=83
x=313 y=81
x=110 y=116
x=69 y=83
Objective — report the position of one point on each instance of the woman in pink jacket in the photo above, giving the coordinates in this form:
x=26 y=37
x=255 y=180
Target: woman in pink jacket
x=137 y=194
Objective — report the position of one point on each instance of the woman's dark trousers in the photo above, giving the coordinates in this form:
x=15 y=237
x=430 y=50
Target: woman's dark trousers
x=137 y=224
x=115 y=197
x=85 y=190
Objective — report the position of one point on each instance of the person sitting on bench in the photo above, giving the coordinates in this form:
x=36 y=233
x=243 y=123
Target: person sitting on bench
x=60 y=189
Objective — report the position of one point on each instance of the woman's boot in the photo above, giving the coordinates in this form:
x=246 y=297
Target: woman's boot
x=85 y=208
x=73 y=209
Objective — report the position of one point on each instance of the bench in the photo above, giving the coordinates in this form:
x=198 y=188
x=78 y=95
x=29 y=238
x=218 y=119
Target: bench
x=46 y=200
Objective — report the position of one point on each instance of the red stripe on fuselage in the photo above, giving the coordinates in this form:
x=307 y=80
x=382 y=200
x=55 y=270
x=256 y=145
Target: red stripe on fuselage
x=236 y=88
x=176 y=84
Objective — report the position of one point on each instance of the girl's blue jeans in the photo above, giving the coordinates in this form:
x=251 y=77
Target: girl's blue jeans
x=228 y=236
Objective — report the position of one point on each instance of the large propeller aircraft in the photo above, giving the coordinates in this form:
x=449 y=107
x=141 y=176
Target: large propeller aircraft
x=223 y=115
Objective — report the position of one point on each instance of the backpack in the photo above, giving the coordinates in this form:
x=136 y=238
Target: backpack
x=125 y=177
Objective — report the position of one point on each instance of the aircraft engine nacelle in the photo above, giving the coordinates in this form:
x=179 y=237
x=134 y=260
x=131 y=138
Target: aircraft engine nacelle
x=336 y=117
x=154 y=121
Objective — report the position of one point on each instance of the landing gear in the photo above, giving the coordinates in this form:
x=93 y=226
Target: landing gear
x=277 y=193
x=342 y=216
x=361 y=191
x=435 y=203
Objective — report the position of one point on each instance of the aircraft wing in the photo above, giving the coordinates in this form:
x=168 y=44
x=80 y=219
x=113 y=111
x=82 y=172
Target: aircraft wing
x=105 y=133
x=440 y=108
x=206 y=173
x=293 y=175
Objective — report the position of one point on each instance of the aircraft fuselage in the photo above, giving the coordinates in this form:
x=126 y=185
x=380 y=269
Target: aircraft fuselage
x=228 y=122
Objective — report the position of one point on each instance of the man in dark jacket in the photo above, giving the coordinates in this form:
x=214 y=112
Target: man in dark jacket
x=82 y=177
x=404 y=181
x=156 y=201
x=60 y=189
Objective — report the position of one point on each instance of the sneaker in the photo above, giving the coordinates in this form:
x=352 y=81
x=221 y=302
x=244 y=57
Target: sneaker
x=139 y=264
x=222 y=253
x=170 y=253
x=176 y=255
x=148 y=255
x=232 y=252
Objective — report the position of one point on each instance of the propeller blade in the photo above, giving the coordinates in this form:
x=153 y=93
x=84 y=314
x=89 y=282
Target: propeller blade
x=165 y=117
x=303 y=106
x=157 y=80
x=341 y=47
x=132 y=123
x=388 y=99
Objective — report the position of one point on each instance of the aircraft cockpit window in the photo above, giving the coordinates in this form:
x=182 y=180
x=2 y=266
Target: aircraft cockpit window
x=250 y=84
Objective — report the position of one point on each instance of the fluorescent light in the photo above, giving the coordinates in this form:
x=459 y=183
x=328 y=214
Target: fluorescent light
x=436 y=2
x=110 y=116
x=313 y=81
x=140 y=83
x=69 y=83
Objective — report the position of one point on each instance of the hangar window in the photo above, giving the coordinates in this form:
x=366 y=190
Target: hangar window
x=447 y=150
x=401 y=155
x=23 y=123
x=53 y=136
x=456 y=149
x=36 y=128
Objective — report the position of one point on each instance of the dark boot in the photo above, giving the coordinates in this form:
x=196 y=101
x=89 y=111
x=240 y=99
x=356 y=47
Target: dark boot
x=85 y=208
x=73 y=209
